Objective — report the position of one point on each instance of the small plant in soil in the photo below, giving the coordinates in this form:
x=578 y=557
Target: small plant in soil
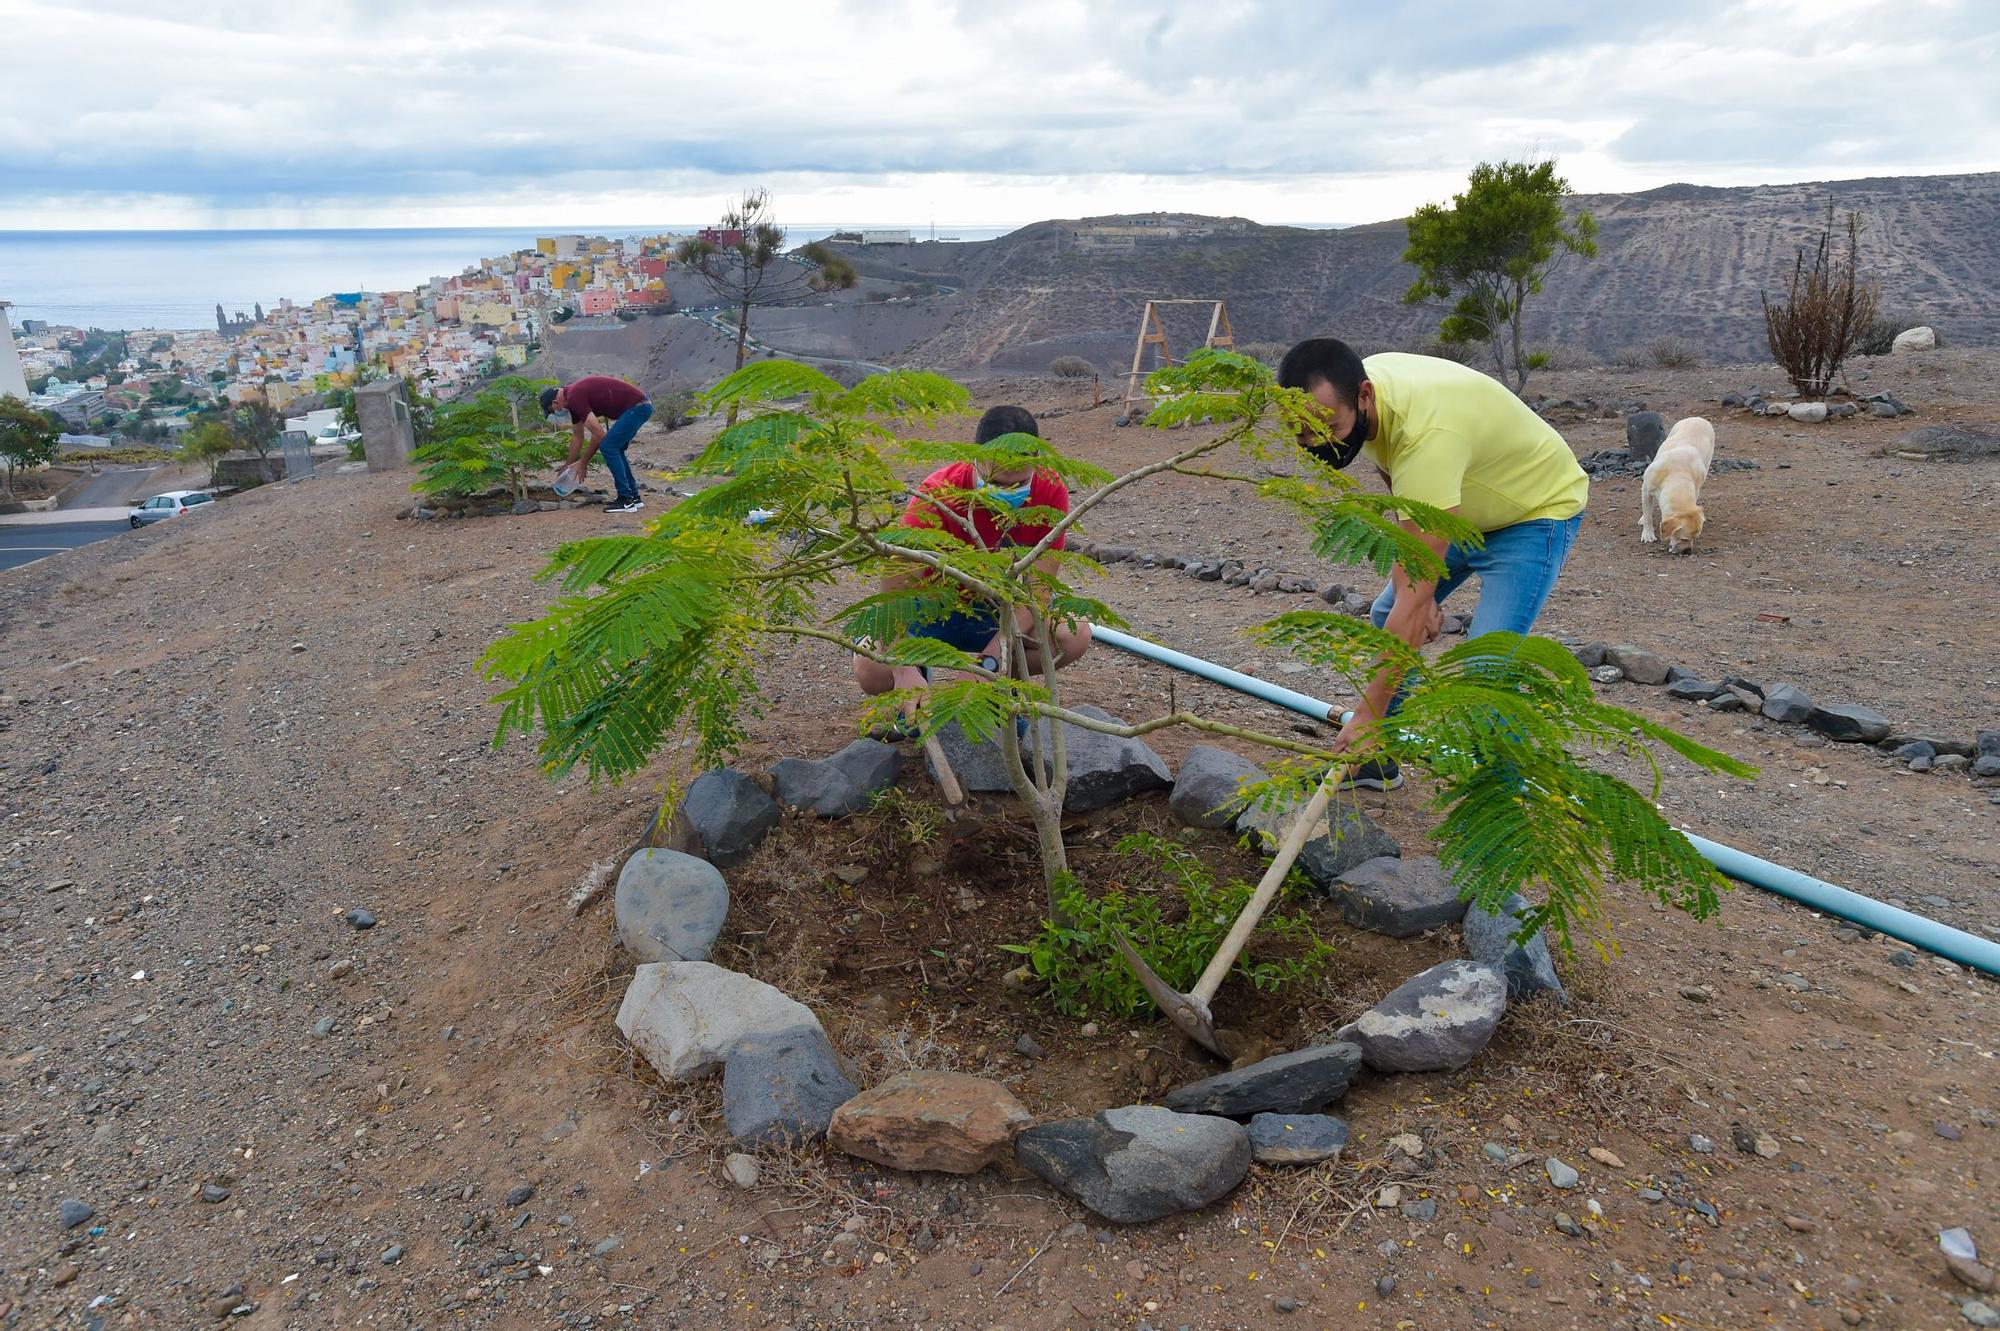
x=493 y=439
x=659 y=636
x=1176 y=927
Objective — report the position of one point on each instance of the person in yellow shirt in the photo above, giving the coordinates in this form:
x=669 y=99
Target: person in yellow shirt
x=1447 y=435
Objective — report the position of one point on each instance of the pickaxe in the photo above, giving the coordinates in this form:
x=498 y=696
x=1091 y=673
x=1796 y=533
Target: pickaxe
x=1189 y=1011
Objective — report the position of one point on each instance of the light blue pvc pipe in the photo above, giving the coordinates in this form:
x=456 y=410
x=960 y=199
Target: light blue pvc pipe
x=1916 y=930
x=1194 y=665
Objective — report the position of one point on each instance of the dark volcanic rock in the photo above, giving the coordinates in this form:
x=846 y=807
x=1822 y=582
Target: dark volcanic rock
x=727 y=816
x=1298 y=1082
x=1528 y=967
x=1205 y=787
x=1849 y=723
x=841 y=785
x=782 y=1089
x=1782 y=702
x=1139 y=1163
x=1347 y=838
x=1437 y=1021
x=1398 y=897
x=1644 y=432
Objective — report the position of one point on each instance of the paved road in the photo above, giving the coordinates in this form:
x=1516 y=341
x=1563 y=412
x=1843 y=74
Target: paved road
x=113 y=486
x=21 y=543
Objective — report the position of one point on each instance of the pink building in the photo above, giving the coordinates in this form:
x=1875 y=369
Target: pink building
x=596 y=300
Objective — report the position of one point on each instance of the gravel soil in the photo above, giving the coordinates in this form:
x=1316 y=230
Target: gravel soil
x=222 y=737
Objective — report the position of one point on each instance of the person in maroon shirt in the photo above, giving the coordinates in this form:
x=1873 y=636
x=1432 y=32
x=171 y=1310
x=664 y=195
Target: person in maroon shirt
x=974 y=628
x=609 y=411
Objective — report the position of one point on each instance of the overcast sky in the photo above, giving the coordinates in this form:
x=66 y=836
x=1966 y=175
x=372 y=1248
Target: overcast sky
x=448 y=112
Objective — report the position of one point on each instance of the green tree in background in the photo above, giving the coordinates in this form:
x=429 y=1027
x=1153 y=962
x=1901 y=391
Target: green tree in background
x=27 y=438
x=208 y=441
x=1491 y=250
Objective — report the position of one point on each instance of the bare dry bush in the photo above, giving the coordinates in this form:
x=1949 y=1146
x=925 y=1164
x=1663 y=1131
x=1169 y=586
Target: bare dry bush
x=1673 y=353
x=1072 y=367
x=1827 y=308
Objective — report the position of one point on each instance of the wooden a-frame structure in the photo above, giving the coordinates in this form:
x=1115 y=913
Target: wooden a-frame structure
x=1153 y=333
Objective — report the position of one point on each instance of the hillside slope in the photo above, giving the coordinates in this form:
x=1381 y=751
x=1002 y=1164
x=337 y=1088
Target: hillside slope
x=1682 y=259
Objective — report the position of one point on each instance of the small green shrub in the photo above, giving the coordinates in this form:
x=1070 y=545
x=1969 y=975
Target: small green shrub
x=1560 y=356
x=494 y=439
x=1072 y=367
x=1079 y=961
x=1538 y=360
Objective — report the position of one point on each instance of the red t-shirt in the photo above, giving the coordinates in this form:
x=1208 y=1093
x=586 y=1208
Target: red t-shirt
x=1044 y=491
x=601 y=396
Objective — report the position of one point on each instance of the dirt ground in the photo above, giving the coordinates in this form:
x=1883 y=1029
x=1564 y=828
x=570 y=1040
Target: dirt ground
x=221 y=736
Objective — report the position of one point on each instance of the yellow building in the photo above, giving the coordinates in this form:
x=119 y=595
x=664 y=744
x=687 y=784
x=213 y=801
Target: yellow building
x=546 y=245
x=492 y=313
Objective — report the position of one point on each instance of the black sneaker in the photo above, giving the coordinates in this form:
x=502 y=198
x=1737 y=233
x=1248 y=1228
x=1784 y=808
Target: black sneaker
x=631 y=505
x=1375 y=774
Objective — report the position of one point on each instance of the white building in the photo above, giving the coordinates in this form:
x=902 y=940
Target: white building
x=13 y=383
x=885 y=237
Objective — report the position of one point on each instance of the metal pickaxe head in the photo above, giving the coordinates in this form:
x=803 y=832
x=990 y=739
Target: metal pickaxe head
x=1186 y=1011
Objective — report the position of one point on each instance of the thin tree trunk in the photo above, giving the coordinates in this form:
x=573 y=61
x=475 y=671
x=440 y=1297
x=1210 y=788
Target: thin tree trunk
x=742 y=339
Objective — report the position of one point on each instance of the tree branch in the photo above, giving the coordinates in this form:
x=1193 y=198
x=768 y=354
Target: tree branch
x=1105 y=491
x=1189 y=719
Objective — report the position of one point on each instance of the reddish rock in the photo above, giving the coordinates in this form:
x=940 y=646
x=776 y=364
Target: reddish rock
x=946 y=1121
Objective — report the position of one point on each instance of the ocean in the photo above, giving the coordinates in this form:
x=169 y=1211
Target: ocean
x=174 y=279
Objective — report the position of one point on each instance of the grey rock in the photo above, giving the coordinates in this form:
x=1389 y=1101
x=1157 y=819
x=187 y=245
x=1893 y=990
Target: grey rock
x=726 y=816
x=669 y=906
x=1640 y=666
x=1425 y=1208
x=1742 y=684
x=1979 y=1313
x=1782 y=702
x=685 y=1016
x=1644 y=432
x=1986 y=744
x=1810 y=413
x=1561 y=1175
x=1139 y=1163
x=1028 y=1047
x=1495 y=1152
x=1345 y=838
x=1916 y=748
x=1701 y=1145
x=392 y=1254
x=1590 y=655
x=782 y=1089
x=841 y=785
x=604 y=1247
x=520 y=1194
x=1398 y=897
x=1436 y=1021
x=1489 y=939
x=214 y=1195
x=1204 y=792
x=1695 y=690
x=1104 y=769
x=1987 y=764
x=1885 y=410
x=980 y=768
x=1333 y=594
x=1850 y=723
x=1294 y=1083
x=360 y=918
x=1726 y=701
x=322 y=1028
x=522 y=507
x=1296 y=1139
x=1606 y=674
x=73 y=1212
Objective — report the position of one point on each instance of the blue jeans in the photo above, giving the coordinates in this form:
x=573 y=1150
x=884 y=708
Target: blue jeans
x=612 y=450
x=967 y=630
x=1517 y=570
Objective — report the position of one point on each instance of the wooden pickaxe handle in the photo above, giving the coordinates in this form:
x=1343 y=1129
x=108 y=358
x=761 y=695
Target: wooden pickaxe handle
x=1267 y=888
x=947 y=780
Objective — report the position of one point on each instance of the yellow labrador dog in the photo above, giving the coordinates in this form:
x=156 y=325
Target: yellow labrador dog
x=1673 y=484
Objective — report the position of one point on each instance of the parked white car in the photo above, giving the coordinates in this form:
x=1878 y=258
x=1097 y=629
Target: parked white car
x=169 y=505
x=333 y=434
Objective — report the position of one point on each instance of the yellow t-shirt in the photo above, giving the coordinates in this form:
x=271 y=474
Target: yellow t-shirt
x=1453 y=437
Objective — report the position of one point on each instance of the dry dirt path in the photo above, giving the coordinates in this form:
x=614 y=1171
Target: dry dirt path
x=222 y=737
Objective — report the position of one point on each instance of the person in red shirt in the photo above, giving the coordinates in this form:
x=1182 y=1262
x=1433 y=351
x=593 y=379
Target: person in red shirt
x=975 y=628
x=610 y=411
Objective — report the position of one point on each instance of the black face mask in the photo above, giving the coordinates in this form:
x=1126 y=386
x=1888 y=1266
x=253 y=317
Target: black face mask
x=1345 y=448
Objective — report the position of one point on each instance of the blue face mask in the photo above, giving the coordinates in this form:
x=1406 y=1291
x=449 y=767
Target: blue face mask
x=1013 y=496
